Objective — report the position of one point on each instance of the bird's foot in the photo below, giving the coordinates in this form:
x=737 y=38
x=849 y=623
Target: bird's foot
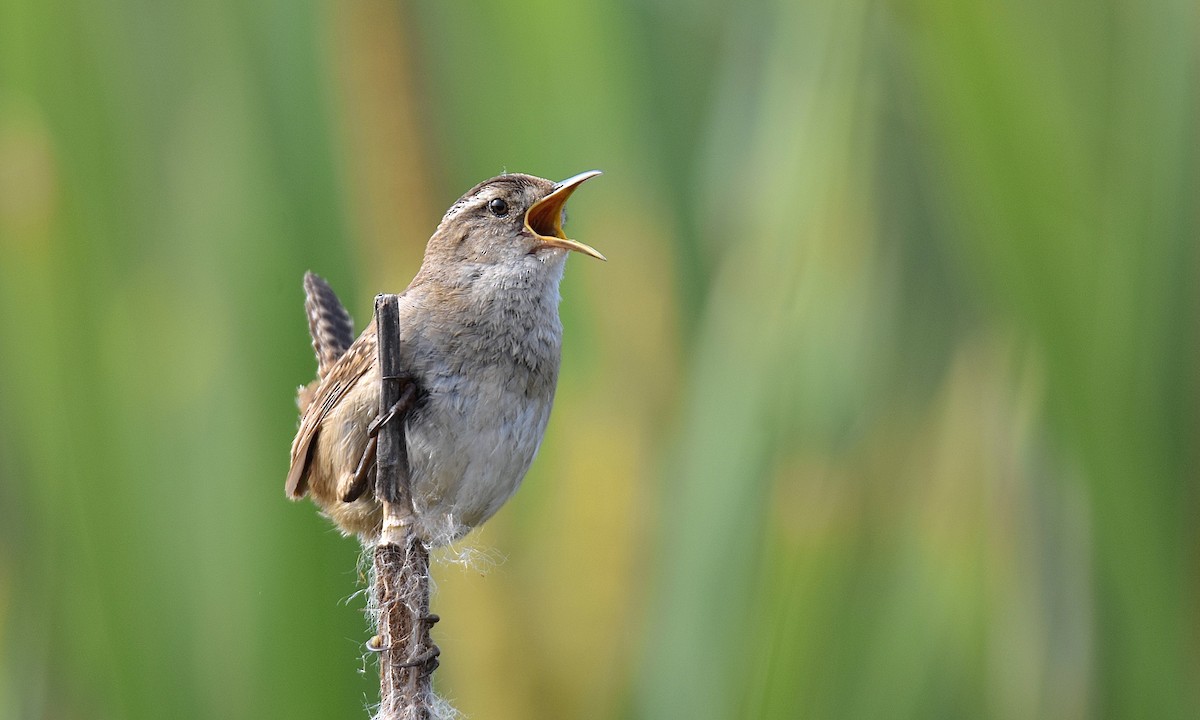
x=397 y=408
x=427 y=659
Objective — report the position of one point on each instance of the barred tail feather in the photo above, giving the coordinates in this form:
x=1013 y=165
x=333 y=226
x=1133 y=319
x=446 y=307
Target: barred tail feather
x=329 y=324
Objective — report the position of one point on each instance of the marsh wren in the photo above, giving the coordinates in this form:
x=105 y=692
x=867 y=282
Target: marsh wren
x=480 y=341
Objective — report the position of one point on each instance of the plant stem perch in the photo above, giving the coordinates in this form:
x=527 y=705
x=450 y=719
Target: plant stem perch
x=400 y=567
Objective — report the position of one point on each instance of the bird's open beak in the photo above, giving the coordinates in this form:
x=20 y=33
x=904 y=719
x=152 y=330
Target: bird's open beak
x=544 y=219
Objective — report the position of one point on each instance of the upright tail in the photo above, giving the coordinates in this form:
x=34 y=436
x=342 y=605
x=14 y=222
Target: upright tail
x=329 y=324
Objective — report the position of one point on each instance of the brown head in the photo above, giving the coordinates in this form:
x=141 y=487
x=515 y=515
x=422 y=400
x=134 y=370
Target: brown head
x=511 y=223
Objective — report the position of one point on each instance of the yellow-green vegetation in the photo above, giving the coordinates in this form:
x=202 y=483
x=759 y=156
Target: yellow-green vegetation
x=884 y=406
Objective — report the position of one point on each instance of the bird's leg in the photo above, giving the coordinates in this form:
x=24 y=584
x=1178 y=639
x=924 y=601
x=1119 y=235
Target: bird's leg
x=358 y=481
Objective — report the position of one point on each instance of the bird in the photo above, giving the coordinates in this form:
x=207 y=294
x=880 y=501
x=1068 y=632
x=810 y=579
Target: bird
x=480 y=342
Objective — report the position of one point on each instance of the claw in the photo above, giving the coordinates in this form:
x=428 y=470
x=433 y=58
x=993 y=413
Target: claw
x=429 y=657
x=397 y=408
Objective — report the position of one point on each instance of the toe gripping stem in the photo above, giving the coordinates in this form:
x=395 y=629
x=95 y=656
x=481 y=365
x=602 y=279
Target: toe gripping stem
x=398 y=408
x=362 y=473
x=426 y=659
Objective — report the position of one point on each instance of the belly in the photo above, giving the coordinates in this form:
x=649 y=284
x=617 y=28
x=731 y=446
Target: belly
x=469 y=447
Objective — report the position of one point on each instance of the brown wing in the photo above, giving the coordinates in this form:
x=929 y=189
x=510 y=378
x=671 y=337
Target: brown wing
x=342 y=376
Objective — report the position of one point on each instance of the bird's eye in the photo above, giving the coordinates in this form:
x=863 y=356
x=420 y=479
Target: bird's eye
x=498 y=207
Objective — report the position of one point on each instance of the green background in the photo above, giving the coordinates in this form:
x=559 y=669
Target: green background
x=884 y=406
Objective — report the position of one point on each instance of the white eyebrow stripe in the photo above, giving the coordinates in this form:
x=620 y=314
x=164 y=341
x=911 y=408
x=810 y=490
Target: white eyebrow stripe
x=518 y=184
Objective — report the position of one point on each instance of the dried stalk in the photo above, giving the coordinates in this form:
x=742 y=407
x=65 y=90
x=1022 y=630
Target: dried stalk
x=400 y=568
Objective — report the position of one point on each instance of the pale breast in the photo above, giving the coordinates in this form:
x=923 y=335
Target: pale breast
x=471 y=443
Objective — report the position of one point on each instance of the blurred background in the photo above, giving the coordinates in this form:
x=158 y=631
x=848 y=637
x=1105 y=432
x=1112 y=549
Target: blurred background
x=884 y=406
